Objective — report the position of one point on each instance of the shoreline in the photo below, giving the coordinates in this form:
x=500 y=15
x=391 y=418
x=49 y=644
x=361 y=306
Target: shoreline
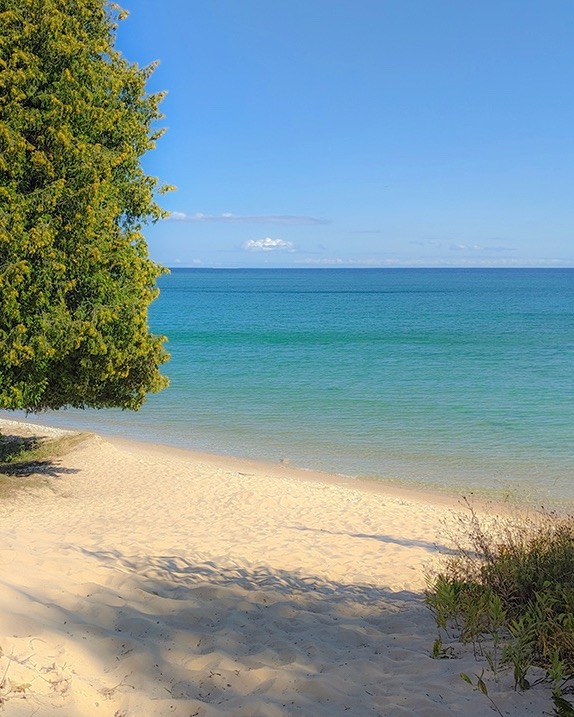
x=379 y=486
x=418 y=490
x=150 y=581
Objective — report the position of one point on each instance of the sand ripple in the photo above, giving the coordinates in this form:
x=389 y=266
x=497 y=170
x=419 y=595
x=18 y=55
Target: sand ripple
x=144 y=581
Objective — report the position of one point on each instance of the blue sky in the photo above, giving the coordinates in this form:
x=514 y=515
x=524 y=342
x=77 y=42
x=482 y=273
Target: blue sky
x=361 y=133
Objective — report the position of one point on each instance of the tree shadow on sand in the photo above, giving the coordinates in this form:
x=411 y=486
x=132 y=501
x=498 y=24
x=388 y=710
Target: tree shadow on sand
x=25 y=456
x=173 y=635
x=431 y=547
x=179 y=635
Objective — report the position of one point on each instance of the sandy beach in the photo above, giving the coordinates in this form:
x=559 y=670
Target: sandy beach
x=143 y=580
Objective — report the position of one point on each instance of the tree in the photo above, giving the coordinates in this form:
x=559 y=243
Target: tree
x=76 y=280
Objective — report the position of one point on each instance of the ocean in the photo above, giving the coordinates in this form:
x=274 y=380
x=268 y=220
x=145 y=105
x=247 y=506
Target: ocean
x=454 y=379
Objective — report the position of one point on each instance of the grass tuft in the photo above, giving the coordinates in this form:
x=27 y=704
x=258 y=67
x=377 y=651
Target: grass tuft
x=32 y=457
x=21 y=452
x=509 y=591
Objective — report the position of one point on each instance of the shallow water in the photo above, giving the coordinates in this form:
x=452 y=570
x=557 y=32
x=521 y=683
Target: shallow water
x=461 y=379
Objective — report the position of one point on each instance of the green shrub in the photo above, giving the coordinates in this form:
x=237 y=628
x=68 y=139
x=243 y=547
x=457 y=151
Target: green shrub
x=509 y=590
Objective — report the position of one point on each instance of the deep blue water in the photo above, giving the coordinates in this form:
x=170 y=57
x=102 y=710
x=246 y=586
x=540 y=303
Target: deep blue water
x=458 y=378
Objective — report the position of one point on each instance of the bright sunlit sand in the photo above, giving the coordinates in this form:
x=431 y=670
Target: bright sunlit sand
x=141 y=580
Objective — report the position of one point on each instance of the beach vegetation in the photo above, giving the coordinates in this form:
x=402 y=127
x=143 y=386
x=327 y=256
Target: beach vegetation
x=508 y=589
x=480 y=686
x=76 y=279
x=27 y=461
x=10 y=689
x=19 y=452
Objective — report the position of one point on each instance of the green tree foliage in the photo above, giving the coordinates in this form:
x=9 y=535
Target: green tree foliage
x=75 y=276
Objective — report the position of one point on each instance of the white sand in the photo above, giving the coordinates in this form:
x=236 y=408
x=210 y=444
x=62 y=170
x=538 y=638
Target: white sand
x=138 y=580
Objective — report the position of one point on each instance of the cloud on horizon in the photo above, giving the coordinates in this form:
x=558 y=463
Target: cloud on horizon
x=338 y=261
x=439 y=262
x=268 y=244
x=462 y=246
x=479 y=247
x=282 y=219
x=433 y=243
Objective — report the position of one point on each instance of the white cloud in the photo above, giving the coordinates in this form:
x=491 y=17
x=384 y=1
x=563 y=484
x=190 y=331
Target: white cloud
x=267 y=244
x=338 y=261
x=282 y=219
x=479 y=247
x=466 y=247
x=470 y=261
x=429 y=242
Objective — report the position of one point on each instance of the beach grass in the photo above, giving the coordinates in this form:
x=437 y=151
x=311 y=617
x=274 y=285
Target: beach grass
x=24 y=456
x=508 y=589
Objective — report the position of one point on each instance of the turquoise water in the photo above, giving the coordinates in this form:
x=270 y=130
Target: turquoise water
x=453 y=378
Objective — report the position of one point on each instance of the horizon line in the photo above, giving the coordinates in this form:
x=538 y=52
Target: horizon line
x=366 y=268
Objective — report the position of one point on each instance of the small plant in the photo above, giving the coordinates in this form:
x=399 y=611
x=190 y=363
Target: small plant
x=12 y=448
x=440 y=652
x=21 y=455
x=9 y=689
x=480 y=686
x=562 y=708
x=509 y=590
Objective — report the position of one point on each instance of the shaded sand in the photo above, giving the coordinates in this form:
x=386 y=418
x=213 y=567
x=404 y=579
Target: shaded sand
x=139 y=580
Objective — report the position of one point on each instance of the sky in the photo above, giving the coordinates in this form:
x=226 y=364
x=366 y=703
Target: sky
x=326 y=133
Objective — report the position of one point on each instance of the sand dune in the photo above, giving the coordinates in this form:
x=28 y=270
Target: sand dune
x=139 y=580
